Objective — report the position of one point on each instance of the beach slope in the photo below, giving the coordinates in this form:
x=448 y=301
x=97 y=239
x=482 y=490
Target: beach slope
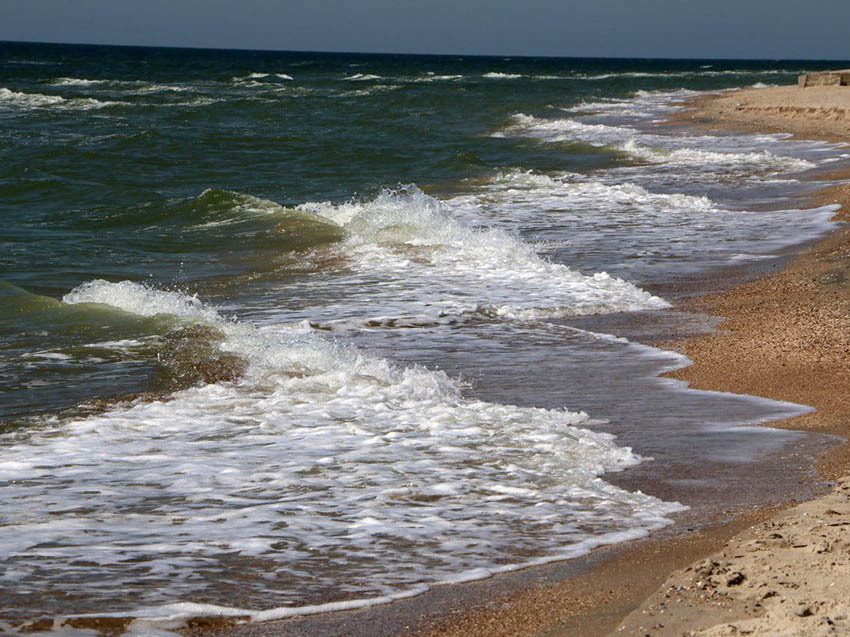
x=816 y=112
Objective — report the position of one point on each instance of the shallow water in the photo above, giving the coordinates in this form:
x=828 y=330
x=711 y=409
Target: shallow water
x=282 y=330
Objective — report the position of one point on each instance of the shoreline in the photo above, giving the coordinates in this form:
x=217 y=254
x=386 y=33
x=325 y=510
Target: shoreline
x=687 y=588
x=789 y=333
x=586 y=603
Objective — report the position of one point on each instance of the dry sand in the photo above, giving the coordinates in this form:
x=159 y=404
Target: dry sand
x=771 y=572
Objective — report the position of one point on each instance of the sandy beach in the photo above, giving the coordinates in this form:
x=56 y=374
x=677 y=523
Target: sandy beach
x=816 y=112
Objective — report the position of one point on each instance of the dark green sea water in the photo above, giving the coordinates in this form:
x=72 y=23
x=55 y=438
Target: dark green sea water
x=238 y=289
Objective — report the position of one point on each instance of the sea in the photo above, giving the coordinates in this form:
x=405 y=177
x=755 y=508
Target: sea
x=286 y=332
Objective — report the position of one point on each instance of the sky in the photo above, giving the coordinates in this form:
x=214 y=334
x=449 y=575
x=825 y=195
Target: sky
x=761 y=29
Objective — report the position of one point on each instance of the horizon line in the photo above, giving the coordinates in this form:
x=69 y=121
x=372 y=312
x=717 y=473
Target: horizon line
x=388 y=53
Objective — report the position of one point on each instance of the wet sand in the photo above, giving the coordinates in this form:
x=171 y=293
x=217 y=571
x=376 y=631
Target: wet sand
x=785 y=336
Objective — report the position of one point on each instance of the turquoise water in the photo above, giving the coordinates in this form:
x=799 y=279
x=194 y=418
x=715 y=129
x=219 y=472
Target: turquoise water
x=281 y=329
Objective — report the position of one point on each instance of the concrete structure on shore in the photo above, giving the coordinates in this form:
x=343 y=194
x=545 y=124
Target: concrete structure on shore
x=825 y=78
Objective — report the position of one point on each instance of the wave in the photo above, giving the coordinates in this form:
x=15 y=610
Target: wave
x=238 y=227
x=433 y=77
x=199 y=101
x=317 y=446
x=450 y=270
x=625 y=227
x=142 y=300
x=679 y=74
x=516 y=76
x=762 y=161
x=576 y=189
x=455 y=270
x=372 y=90
x=362 y=77
x=47 y=314
x=107 y=348
x=136 y=86
x=261 y=76
x=38 y=100
x=647 y=147
x=160 y=88
x=74 y=81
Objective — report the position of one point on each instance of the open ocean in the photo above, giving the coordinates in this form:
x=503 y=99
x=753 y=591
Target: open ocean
x=284 y=330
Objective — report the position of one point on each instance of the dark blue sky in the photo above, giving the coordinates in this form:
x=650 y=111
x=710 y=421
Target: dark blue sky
x=815 y=29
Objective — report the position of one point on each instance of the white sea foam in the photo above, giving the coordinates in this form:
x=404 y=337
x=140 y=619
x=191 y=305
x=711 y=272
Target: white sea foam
x=448 y=269
x=319 y=450
x=37 y=100
x=433 y=77
x=56 y=356
x=29 y=99
x=655 y=148
x=616 y=224
x=372 y=90
x=502 y=76
x=677 y=74
x=362 y=77
x=160 y=88
x=251 y=78
x=135 y=86
x=764 y=160
x=573 y=190
x=200 y=101
x=75 y=81
x=142 y=300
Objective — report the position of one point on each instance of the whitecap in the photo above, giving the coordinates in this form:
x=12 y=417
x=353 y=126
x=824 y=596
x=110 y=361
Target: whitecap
x=502 y=76
x=451 y=269
x=654 y=148
x=141 y=299
x=432 y=77
x=39 y=100
x=74 y=81
x=362 y=77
